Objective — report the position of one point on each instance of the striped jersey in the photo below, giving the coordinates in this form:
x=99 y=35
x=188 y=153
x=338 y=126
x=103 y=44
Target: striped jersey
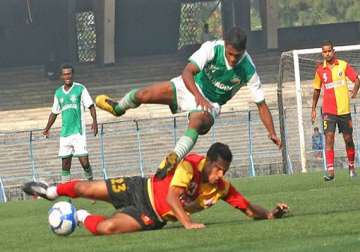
x=332 y=79
x=71 y=105
x=198 y=195
x=217 y=80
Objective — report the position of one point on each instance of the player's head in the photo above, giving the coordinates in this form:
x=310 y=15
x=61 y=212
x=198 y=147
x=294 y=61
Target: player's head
x=327 y=50
x=66 y=73
x=235 y=45
x=218 y=160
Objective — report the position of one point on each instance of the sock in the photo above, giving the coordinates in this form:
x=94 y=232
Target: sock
x=88 y=173
x=81 y=215
x=67 y=189
x=330 y=160
x=65 y=176
x=186 y=143
x=91 y=222
x=51 y=192
x=351 y=157
x=128 y=101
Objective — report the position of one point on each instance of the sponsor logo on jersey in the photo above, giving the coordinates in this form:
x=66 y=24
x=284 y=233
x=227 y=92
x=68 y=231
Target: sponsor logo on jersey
x=69 y=106
x=335 y=84
x=222 y=86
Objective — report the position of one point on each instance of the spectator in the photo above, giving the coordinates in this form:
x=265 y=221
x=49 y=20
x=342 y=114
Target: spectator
x=317 y=143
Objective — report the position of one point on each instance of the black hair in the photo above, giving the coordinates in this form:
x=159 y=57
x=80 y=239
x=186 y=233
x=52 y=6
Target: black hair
x=236 y=37
x=327 y=43
x=219 y=150
x=67 y=66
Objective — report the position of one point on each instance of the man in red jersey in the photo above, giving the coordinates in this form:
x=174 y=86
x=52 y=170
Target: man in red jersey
x=331 y=76
x=195 y=184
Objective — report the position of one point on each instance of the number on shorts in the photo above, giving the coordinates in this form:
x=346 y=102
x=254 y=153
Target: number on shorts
x=325 y=125
x=118 y=185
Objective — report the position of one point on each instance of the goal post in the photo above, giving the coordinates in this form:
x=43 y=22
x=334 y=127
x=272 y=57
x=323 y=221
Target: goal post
x=296 y=71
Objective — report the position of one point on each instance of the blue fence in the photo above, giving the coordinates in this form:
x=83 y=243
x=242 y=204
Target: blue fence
x=126 y=148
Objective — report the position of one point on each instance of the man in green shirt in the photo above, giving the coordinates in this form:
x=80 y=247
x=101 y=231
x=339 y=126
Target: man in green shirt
x=213 y=75
x=70 y=100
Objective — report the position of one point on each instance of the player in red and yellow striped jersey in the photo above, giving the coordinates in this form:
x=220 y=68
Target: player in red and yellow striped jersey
x=331 y=77
x=195 y=184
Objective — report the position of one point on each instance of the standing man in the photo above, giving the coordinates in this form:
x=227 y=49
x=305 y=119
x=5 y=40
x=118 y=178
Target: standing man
x=213 y=75
x=70 y=100
x=331 y=76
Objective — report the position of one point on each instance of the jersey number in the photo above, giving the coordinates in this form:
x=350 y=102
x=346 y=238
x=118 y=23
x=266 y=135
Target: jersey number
x=118 y=185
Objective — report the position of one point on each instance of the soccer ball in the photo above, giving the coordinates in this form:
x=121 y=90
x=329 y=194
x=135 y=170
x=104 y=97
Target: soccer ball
x=62 y=218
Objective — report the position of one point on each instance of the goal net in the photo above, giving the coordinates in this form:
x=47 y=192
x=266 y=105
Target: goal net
x=295 y=91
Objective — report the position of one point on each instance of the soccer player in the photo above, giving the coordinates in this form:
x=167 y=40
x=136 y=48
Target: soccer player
x=70 y=100
x=213 y=75
x=197 y=183
x=331 y=76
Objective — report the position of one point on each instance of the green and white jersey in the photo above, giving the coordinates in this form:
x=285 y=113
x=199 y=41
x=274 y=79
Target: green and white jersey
x=71 y=104
x=217 y=80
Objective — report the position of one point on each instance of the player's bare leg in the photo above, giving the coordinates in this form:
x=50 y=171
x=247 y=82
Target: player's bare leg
x=158 y=93
x=329 y=153
x=101 y=225
x=200 y=123
x=350 y=151
x=66 y=166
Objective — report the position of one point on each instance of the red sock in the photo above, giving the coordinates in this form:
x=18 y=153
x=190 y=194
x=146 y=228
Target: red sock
x=351 y=157
x=330 y=160
x=67 y=189
x=92 y=221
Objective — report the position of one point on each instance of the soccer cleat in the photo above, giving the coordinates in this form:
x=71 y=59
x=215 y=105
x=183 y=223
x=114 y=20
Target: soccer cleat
x=37 y=189
x=104 y=102
x=166 y=165
x=329 y=177
x=352 y=173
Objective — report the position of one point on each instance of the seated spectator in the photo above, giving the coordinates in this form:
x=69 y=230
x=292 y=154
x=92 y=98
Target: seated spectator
x=317 y=143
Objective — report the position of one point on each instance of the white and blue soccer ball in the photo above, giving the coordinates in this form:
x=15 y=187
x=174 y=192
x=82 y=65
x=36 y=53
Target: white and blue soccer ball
x=62 y=218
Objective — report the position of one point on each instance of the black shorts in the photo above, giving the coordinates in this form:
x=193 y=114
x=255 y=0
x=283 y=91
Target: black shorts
x=344 y=123
x=129 y=194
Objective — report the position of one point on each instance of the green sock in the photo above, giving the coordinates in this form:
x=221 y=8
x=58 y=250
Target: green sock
x=186 y=143
x=65 y=176
x=127 y=102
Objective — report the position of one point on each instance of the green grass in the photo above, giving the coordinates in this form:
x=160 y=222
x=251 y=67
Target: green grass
x=323 y=217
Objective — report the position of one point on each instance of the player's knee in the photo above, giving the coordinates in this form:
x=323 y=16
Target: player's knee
x=143 y=95
x=106 y=228
x=83 y=189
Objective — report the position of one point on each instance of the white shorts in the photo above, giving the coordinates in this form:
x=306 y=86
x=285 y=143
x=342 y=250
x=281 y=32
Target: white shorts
x=185 y=100
x=74 y=145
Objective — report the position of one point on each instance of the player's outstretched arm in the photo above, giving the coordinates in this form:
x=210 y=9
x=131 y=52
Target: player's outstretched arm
x=259 y=213
x=267 y=120
x=173 y=199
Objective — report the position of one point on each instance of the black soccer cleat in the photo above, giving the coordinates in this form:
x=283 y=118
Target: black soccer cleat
x=328 y=177
x=36 y=189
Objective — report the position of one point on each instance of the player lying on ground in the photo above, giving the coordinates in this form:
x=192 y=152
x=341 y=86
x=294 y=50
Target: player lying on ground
x=196 y=183
x=212 y=77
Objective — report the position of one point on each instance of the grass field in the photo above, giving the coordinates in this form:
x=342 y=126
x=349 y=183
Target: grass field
x=323 y=217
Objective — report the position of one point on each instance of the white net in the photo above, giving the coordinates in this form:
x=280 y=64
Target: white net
x=296 y=123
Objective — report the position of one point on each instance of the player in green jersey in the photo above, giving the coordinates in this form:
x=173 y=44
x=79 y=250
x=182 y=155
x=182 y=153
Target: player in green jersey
x=213 y=75
x=70 y=100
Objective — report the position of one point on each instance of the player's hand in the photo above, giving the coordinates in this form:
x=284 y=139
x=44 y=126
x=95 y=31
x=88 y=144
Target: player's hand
x=353 y=94
x=193 y=225
x=280 y=210
x=313 y=116
x=203 y=104
x=46 y=133
x=94 y=128
x=275 y=140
